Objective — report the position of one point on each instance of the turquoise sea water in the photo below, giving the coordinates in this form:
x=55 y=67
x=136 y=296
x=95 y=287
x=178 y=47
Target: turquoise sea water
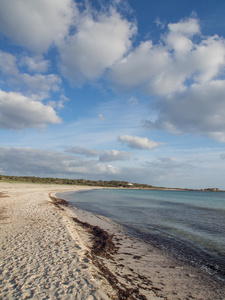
x=190 y=224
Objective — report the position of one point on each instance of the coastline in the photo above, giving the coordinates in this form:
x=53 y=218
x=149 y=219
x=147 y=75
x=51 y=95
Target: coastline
x=47 y=252
x=163 y=275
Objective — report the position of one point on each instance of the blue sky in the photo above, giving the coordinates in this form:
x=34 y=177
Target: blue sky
x=114 y=90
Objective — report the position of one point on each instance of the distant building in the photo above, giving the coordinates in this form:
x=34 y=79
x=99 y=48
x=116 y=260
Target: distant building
x=211 y=190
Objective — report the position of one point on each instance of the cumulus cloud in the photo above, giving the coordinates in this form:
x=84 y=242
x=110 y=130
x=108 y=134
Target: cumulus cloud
x=91 y=45
x=23 y=109
x=28 y=161
x=222 y=156
x=188 y=27
x=140 y=66
x=96 y=45
x=159 y=68
x=36 y=83
x=30 y=84
x=8 y=64
x=18 y=112
x=200 y=109
x=113 y=155
x=35 y=64
x=136 y=142
x=83 y=151
x=184 y=74
x=36 y=24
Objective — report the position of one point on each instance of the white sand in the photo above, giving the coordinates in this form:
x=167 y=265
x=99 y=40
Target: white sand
x=38 y=257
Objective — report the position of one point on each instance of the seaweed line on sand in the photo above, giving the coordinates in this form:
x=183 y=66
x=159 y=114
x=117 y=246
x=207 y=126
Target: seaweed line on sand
x=102 y=246
x=3 y=195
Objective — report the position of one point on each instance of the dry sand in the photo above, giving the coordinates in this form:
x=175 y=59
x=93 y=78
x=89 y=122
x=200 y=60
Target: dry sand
x=39 y=257
x=47 y=254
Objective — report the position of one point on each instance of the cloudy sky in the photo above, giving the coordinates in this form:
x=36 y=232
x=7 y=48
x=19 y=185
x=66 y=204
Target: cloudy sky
x=128 y=90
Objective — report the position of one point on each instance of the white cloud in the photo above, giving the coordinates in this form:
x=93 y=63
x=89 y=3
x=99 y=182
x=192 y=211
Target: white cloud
x=19 y=112
x=163 y=68
x=96 y=45
x=200 y=110
x=36 y=83
x=177 y=72
x=179 y=36
x=138 y=142
x=113 y=155
x=180 y=43
x=188 y=27
x=36 y=24
x=140 y=66
x=83 y=151
x=104 y=156
x=36 y=162
x=208 y=59
x=164 y=171
x=39 y=84
x=35 y=63
x=94 y=168
x=8 y=64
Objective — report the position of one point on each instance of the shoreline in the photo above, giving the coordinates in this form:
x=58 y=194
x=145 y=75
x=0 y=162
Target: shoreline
x=167 y=276
x=179 y=249
x=48 y=252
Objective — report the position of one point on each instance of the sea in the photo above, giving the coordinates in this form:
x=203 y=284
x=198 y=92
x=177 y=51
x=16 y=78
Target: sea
x=188 y=224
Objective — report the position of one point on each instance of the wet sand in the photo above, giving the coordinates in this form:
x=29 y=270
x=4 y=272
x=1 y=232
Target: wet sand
x=51 y=251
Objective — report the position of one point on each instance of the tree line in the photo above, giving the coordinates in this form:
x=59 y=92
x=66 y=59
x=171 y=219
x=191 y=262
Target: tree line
x=50 y=180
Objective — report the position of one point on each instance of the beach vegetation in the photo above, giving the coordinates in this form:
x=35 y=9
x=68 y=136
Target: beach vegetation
x=66 y=181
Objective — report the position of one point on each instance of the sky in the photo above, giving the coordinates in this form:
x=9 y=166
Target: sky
x=130 y=90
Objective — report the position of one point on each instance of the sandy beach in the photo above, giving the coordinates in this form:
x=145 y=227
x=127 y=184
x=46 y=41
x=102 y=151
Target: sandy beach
x=50 y=251
x=41 y=256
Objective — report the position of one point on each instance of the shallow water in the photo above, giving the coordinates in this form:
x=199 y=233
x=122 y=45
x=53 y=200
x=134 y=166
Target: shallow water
x=190 y=224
